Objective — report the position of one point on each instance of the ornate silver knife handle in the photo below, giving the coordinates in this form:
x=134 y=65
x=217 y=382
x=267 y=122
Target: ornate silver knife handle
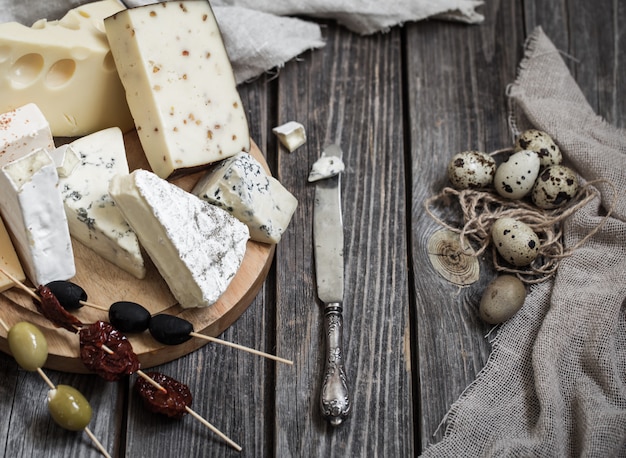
x=335 y=397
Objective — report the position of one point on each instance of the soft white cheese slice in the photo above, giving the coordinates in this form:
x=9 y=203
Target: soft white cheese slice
x=240 y=186
x=326 y=167
x=179 y=84
x=66 y=68
x=291 y=134
x=8 y=260
x=22 y=131
x=93 y=217
x=32 y=209
x=197 y=247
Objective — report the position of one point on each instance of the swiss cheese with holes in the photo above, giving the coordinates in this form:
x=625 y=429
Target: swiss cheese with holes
x=64 y=67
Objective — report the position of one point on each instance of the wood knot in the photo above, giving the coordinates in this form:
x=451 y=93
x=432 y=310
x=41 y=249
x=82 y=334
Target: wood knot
x=452 y=260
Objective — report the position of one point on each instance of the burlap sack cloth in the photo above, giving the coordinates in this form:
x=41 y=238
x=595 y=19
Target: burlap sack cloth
x=555 y=382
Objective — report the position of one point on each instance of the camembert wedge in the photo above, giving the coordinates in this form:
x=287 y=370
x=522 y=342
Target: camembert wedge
x=197 y=247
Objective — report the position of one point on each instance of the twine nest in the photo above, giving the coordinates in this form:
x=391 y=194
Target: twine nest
x=483 y=207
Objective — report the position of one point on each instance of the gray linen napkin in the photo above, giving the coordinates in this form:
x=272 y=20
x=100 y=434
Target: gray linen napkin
x=554 y=384
x=260 y=35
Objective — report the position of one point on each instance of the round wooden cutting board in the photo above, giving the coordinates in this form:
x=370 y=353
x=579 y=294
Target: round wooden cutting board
x=105 y=283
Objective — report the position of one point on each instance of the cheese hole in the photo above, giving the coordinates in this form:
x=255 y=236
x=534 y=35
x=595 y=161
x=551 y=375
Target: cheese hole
x=26 y=69
x=60 y=73
x=108 y=64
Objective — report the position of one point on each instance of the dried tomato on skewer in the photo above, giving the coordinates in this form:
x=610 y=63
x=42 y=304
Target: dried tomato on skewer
x=49 y=307
x=173 y=402
x=110 y=366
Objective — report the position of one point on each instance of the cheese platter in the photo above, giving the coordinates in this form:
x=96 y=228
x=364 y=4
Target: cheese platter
x=106 y=283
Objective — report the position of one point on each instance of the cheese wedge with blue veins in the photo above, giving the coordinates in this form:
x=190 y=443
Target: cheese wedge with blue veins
x=197 y=247
x=32 y=209
x=93 y=218
x=240 y=186
x=65 y=67
x=179 y=84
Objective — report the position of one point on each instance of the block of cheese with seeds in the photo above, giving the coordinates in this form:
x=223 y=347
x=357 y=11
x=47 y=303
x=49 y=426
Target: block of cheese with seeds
x=65 y=67
x=93 y=217
x=197 y=247
x=179 y=85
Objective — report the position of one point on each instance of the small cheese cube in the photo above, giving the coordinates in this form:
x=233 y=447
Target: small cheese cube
x=8 y=260
x=291 y=134
x=32 y=209
x=22 y=131
x=240 y=185
x=179 y=84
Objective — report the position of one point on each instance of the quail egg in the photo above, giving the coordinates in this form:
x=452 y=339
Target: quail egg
x=502 y=298
x=515 y=177
x=471 y=170
x=542 y=144
x=555 y=186
x=515 y=241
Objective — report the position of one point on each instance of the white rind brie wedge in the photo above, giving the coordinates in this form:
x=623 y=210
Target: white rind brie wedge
x=32 y=208
x=197 y=247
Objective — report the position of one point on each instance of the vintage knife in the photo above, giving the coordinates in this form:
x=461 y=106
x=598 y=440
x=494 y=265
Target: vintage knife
x=329 y=266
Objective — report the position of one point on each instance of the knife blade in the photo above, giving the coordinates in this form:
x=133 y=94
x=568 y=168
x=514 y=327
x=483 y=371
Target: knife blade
x=335 y=400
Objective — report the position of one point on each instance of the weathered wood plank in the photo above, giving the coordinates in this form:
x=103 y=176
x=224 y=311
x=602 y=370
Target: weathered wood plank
x=458 y=102
x=347 y=93
x=456 y=82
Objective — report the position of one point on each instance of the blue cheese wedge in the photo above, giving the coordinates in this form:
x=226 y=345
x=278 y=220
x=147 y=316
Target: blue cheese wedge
x=197 y=247
x=32 y=209
x=240 y=186
x=22 y=131
x=93 y=218
x=179 y=85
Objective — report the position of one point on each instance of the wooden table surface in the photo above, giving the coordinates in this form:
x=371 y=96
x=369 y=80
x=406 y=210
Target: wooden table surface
x=400 y=105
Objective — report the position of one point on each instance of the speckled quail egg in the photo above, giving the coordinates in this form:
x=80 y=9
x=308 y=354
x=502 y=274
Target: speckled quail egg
x=471 y=170
x=555 y=186
x=515 y=241
x=542 y=144
x=502 y=299
x=516 y=176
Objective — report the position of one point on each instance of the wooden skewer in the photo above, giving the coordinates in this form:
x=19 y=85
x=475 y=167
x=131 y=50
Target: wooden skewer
x=139 y=372
x=48 y=382
x=194 y=414
x=240 y=347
